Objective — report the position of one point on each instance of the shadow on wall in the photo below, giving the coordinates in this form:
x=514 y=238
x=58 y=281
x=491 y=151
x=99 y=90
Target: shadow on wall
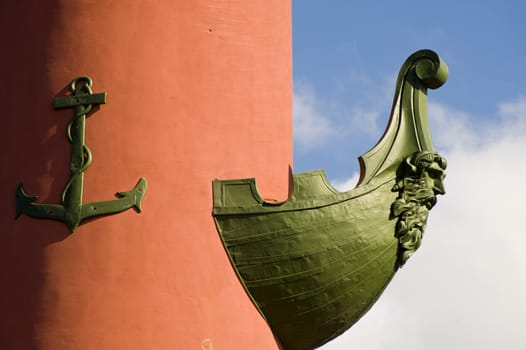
x=32 y=136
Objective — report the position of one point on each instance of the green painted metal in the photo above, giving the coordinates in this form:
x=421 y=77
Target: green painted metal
x=72 y=212
x=314 y=264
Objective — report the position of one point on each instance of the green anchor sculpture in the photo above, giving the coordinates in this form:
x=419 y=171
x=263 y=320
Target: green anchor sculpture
x=72 y=212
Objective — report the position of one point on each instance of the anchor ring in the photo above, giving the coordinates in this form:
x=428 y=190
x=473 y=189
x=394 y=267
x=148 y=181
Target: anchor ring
x=88 y=84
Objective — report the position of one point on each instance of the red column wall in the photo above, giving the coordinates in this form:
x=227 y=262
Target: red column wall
x=197 y=90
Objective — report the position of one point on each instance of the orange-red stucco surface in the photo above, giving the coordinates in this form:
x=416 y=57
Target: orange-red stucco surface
x=197 y=90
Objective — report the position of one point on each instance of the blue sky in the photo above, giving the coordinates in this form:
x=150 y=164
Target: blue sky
x=464 y=288
x=348 y=53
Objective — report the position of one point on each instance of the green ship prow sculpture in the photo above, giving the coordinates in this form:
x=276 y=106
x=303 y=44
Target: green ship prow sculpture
x=314 y=264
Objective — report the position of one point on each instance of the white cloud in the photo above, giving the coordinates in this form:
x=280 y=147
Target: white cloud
x=466 y=286
x=451 y=128
x=311 y=127
x=347 y=184
x=365 y=121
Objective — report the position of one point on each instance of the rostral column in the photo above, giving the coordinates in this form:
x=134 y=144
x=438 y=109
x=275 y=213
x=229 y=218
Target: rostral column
x=195 y=90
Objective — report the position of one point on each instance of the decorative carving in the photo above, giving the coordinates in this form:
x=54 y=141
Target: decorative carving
x=419 y=181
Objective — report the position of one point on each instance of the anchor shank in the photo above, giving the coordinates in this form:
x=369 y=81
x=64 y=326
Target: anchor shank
x=73 y=195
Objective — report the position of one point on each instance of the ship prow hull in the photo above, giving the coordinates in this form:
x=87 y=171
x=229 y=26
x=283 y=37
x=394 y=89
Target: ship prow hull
x=322 y=259
x=314 y=264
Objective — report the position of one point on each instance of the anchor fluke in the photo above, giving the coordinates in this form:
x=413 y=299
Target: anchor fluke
x=25 y=204
x=22 y=200
x=126 y=200
x=136 y=194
